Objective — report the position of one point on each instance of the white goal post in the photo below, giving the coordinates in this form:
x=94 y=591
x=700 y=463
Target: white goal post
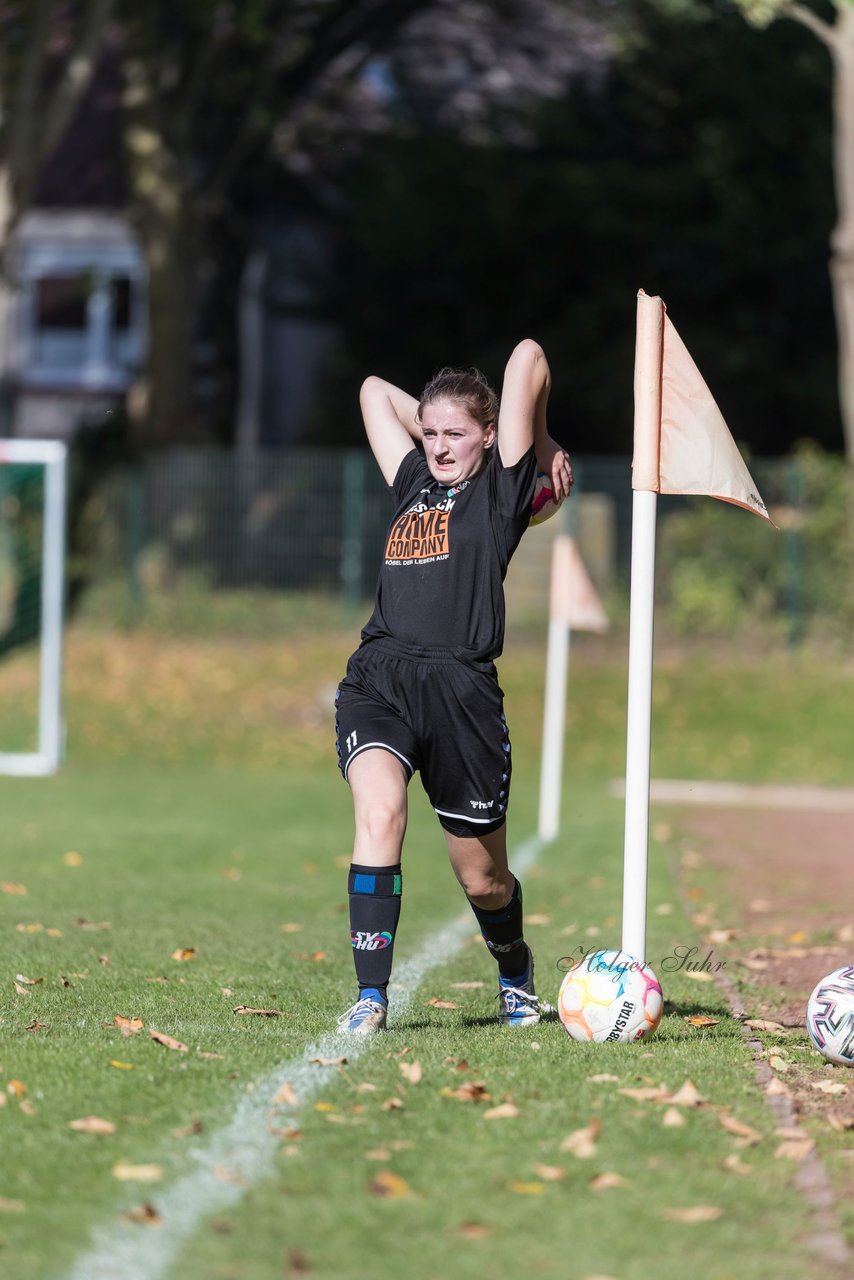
x=46 y=758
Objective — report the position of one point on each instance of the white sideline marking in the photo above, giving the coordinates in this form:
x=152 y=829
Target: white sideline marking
x=243 y=1152
x=740 y=795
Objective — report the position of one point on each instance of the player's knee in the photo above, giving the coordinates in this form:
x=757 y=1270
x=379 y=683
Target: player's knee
x=383 y=822
x=487 y=890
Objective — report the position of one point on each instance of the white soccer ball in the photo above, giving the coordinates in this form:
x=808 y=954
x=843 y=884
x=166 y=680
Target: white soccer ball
x=544 y=504
x=610 y=996
x=830 y=1016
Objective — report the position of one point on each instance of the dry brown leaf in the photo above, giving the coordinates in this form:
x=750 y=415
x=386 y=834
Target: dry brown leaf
x=286 y=1095
x=444 y=1004
x=92 y=1124
x=129 y=1026
x=829 y=1086
x=393 y=1104
x=776 y=1088
x=28 y=982
x=17 y=1088
x=604 y=1077
x=696 y=975
x=122 y=1066
x=794 y=1148
x=687 y=1096
x=473 y=1230
x=466 y=986
x=18 y=890
x=127 y=1172
x=388 y=1185
x=258 y=1013
x=734 y=1164
x=540 y=919
x=411 y=1070
x=647 y=1093
x=210 y=1057
x=35 y=1025
x=93 y=926
x=700 y=1020
x=291 y=927
x=299 y=1263
x=378 y=1153
x=527 y=1188
x=581 y=1143
x=459 y=1064
x=184 y=953
x=471 y=1091
x=188 y=1130
x=693 y=1214
x=22 y=991
x=738 y=1129
x=144 y=1214
x=673 y=1118
x=27 y=1107
x=34 y=926
x=328 y=1062
x=549 y=1172
x=840 y=1120
x=11 y=1206
x=72 y=859
x=504 y=1111
x=764 y=1024
x=168 y=1042
x=608 y=1182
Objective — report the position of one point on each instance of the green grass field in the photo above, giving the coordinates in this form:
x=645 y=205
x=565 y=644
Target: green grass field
x=190 y=859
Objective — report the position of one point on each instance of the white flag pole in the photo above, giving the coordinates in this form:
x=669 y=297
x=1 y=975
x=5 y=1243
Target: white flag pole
x=645 y=483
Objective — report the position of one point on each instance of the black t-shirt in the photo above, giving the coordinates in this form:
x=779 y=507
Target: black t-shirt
x=446 y=556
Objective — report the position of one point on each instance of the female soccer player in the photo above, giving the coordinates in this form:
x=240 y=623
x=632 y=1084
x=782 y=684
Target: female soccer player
x=421 y=692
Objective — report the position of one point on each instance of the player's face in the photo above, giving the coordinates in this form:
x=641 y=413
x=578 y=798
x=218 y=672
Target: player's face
x=454 y=443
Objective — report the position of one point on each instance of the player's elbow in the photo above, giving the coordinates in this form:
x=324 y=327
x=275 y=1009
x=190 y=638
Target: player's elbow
x=528 y=351
x=371 y=388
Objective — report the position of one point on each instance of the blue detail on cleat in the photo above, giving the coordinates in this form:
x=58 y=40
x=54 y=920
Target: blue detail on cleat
x=518 y=1003
x=366 y=1016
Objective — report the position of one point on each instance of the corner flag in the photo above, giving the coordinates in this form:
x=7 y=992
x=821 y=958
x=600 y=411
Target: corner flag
x=681 y=445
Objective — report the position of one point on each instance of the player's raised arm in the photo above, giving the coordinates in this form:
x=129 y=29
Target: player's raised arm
x=389 y=415
x=522 y=419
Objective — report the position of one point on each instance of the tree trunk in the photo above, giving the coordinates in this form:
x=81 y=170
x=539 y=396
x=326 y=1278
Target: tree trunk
x=842 y=239
x=161 y=210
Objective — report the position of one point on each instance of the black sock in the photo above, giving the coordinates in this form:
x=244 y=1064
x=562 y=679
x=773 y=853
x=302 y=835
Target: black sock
x=374 y=913
x=503 y=933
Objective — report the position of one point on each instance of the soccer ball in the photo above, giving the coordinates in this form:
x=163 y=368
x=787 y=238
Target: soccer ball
x=610 y=996
x=830 y=1016
x=544 y=504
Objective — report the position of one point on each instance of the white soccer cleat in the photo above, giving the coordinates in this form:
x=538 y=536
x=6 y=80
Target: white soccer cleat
x=365 y=1018
x=518 y=1002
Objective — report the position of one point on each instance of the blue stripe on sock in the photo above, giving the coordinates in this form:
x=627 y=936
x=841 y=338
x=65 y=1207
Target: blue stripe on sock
x=364 y=884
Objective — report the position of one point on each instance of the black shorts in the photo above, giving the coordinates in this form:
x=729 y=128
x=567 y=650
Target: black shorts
x=438 y=714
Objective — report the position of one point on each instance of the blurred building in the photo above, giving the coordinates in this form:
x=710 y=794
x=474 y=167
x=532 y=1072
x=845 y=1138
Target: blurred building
x=75 y=321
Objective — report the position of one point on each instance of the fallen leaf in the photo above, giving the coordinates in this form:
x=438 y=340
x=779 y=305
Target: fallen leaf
x=168 y=1042
x=581 y=1143
x=828 y=1086
x=466 y=986
x=604 y=1077
x=549 y=1172
x=328 y=1062
x=35 y=1025
x=92 y=1124
x=393 y=1104
x=721 y=935
x=444 y=1004
x=127 y=1172
x=471 y=1091
x=673 y=1118
x=687 y=1096
x=211 y=1057
x=291 y=928
x=299 y=1263
x=122 y=1066
x=92 y=925
x=776 y=1088
x=739 y=1130
x=840 y=1120
x=34 y=927
x=764 y=1024
x=388 y=1185
x=72 y=859
x=378 y=1153
x=19 y=890
x=696 y=975
x=22 y=991
x=184 y=953
x=28 y=982
x=607 y=1182
x=160 y=978
x=794 y=1148
x=700 y=1020
x=527 y=1188
x=693 y=1214
x=129 y=1026
x=779 y=1064
x=473 y=1230
x=504 y=1111
x=17 y=1088
x=258 y=1013
x=27 y=1107
x=188 y=1130
x=145 y=1214
x=538 y=919
x=286 y=1095
x=734 y=1164
x=647 y=1093
x=11 y=1206
x=411 y=1070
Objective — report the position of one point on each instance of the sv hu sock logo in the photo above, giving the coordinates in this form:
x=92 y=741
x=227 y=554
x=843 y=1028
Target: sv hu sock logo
x=363 y=940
